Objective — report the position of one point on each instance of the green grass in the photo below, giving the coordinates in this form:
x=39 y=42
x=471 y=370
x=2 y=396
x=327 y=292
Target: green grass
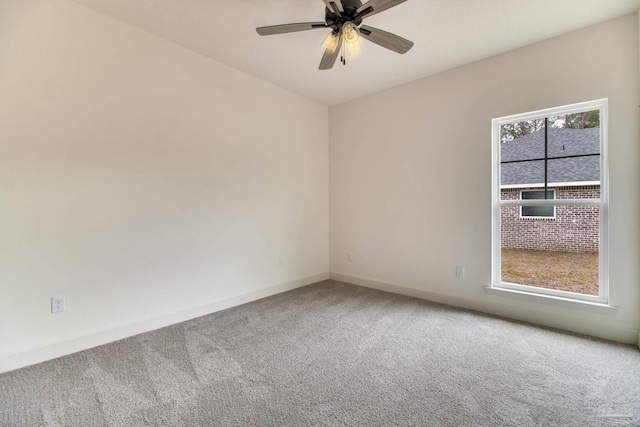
x=565 y=271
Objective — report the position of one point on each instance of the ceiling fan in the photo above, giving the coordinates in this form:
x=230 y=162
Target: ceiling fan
x=345 y=17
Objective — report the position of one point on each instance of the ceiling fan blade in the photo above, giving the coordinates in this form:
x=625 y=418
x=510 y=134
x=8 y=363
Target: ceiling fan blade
x=385 y=39
x=334 y=6
x=372 y=7
x=331 y=54
x=289 y=28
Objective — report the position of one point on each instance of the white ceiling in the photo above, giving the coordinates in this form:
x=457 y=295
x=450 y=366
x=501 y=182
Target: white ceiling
x=446 y=33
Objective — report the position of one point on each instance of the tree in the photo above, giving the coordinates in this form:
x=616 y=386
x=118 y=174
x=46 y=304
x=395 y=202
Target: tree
x=511 y=131
x=583 y=120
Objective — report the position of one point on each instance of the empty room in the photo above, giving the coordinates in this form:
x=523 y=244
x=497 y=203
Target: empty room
x=319 y=212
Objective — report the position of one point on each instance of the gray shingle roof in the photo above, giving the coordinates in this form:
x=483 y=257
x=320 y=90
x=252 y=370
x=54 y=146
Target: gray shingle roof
x=562 y=142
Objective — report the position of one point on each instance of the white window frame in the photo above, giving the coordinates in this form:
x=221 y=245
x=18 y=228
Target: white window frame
x=602 y=203
x=538 y=217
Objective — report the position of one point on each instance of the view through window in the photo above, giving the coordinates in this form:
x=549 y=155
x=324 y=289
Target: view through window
x=538 y=211
x=550 y=202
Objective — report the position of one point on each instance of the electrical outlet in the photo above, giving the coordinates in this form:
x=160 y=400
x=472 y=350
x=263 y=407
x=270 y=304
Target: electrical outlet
x=459 y=271
x=349 y=256
x=281 y=262
x=57 y=304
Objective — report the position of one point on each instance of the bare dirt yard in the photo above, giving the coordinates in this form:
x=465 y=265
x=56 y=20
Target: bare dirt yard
x=564 y=271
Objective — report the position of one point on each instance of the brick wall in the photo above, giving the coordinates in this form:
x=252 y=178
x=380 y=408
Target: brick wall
x=574 y=228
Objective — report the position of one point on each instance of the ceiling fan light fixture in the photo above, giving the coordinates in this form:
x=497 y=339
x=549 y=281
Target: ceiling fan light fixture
x=330 y=43
x=350 y=33
x=353 y=48
x=351 y=37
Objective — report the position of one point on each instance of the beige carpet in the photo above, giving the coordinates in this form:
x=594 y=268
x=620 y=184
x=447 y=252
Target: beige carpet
x=334 y=354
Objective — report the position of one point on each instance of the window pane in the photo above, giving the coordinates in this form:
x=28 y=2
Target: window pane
x=562 y=254
x=574 y=148
x=538 y=211
x=522 y=153
x=583 y=120
x=516 y=130
x=538 y=195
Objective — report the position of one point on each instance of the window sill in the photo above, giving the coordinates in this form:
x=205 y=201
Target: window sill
x=594 y=307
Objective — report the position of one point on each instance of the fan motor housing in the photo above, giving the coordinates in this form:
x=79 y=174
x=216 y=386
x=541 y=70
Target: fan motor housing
x=350 y=9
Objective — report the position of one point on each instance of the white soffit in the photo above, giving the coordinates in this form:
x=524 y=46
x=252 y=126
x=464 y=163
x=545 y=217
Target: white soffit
x=446 y=33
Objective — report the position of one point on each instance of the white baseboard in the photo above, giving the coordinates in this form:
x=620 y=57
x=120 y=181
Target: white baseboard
x=32 y=355
x=554 y=320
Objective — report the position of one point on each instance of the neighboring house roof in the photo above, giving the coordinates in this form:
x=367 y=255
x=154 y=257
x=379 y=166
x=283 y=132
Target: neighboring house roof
x=562 y=142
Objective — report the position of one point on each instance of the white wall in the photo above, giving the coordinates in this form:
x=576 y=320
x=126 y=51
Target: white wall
x=139 y=178
x=410 y=175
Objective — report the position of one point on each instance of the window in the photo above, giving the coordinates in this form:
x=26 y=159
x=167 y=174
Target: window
x=537 y=211
x=550 y=202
